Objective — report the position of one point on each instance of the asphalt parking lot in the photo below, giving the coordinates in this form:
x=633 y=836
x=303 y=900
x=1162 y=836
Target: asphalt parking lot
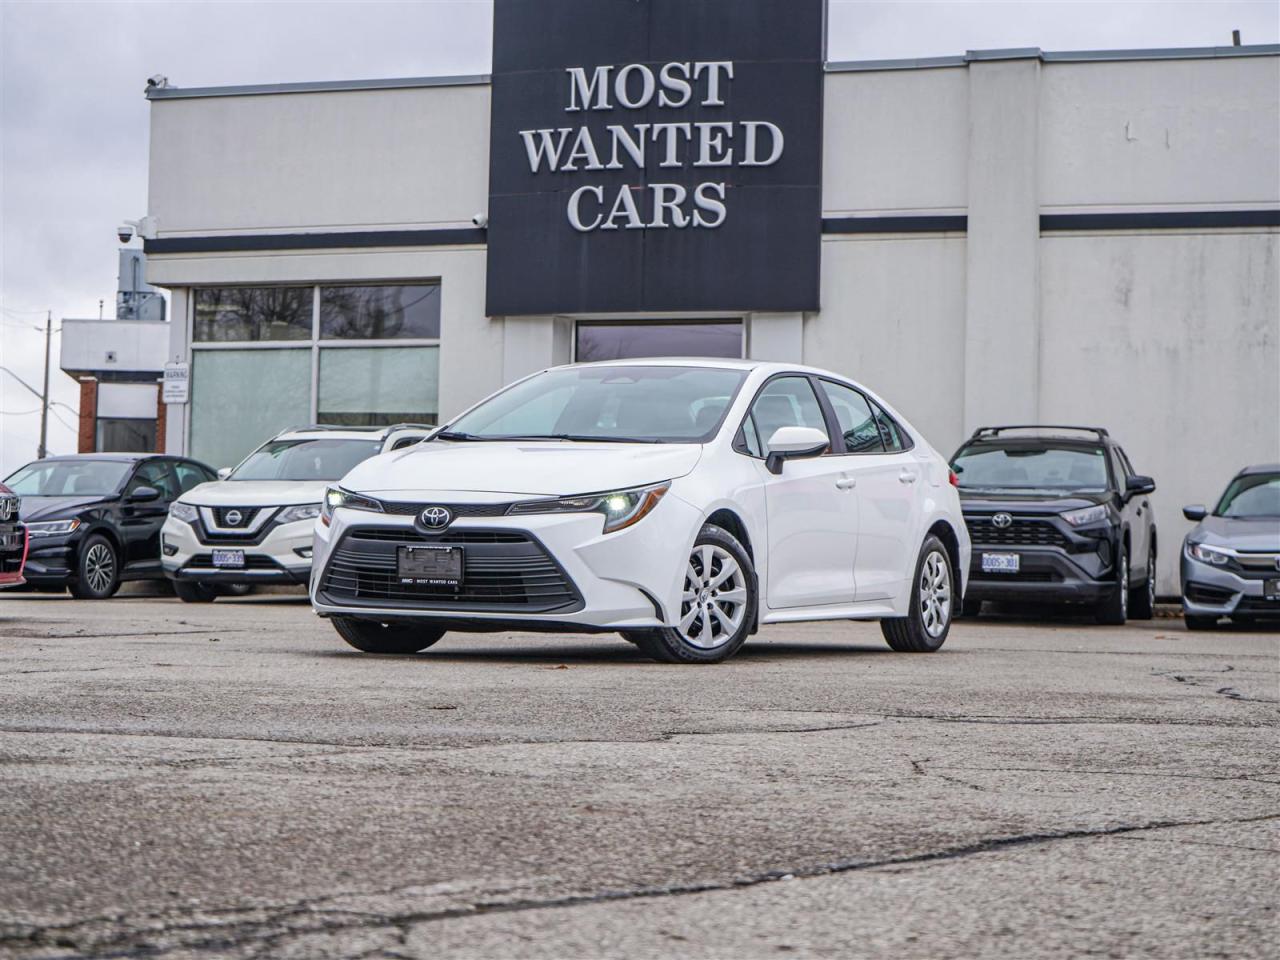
x=233 y=781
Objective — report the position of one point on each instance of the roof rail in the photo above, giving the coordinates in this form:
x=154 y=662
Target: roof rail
x=1042 y=427
x=308 y=427
x=391 y=428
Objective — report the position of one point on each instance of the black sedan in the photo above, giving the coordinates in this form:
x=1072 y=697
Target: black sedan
x=94 y=519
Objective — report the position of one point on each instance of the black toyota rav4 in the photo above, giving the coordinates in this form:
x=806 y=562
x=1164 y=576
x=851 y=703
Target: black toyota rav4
x=1057 y=514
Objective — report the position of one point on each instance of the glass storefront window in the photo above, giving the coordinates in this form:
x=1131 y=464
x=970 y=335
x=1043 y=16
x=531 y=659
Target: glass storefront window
x=380 y=312
x=125 y=435
x=229 y=314
x=367 y=386
x=624 y=341
x=241 y=398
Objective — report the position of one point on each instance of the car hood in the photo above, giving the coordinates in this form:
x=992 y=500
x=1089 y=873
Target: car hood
x=255 y=493
x=983 y=503
x=35 y=509
x=520 y=468
x=1248 y=535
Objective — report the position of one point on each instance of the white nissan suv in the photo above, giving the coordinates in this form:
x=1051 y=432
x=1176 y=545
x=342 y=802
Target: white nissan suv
x=681 y=503
x=255 y=524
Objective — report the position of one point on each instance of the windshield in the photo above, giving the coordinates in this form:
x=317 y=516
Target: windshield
x=1253 y=497
x=1022 y=468
x=657 y=404
x=69 y=478
x=325 y=458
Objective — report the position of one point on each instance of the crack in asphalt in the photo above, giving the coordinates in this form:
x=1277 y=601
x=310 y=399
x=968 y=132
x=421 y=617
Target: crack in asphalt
x=1231 y=693
x=1077 y=771
x=265 y=934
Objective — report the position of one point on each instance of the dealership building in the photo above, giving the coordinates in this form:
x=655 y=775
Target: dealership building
x=1008 y=236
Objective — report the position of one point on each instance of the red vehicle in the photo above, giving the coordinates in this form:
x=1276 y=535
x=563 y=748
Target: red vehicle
x=13 y=540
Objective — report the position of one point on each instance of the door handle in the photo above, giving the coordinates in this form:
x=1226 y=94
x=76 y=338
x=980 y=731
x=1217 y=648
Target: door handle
x=846 y=483
x=907 y=476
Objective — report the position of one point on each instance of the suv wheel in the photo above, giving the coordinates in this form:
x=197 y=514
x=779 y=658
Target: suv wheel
x=1115 y=609
x=1142 y=601
x=97 y=570
x=717 y=605
x=373 y=637
x=189 y=592
x=925 y=628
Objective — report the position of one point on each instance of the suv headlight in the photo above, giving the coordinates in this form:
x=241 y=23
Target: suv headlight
x=303 y=511
x=1085 y=515
x=621 y=508
x=183 y=511
x=52 y=528
x=1198 y=551
x=336 y=497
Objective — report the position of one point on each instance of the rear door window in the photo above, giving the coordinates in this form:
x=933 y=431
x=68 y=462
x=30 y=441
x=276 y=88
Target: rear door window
x=859 y=430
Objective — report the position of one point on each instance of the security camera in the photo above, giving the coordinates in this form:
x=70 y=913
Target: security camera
x=481 y=220
x=124 y=232
x=157 y=80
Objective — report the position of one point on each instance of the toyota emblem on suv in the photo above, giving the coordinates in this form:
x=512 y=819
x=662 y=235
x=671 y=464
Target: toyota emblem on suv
x=436 y=518
x=1002 y=520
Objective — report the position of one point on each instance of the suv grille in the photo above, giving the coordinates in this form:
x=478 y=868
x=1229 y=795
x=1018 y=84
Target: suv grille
x=1021 y=533
x=246 y=515
x=503 y=571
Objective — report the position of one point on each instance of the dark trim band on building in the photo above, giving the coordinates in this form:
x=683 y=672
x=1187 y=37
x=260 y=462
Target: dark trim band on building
x=1166 y=220
x=909 y=224
x=317 y=241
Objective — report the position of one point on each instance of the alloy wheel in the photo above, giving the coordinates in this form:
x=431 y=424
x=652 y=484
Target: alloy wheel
x=935 y=594
x=713 y=602
x=99 y=567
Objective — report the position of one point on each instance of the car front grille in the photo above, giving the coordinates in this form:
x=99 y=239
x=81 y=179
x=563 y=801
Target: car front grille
x=400 y=509
x=505 y=570
x=1021 y=533
x=1256 y=566
x=246 y=516
x=1022 y=576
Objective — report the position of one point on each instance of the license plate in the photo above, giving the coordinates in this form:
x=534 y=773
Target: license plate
x=1271 y=589
x=1001 y=562
x=228 y=558
x=430 y=566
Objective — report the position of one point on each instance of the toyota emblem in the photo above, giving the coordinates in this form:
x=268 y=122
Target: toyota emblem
x=1002 y=520
x=435 y=518
x=233 y=518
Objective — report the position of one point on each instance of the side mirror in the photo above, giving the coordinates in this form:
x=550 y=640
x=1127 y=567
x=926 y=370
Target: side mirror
x=1196 y=512
x=224 y=472
x=1136 y=486
x=144 y=495
x=789 y=443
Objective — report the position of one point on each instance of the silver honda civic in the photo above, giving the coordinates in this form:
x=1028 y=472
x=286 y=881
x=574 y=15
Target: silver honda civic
x=1231 y=559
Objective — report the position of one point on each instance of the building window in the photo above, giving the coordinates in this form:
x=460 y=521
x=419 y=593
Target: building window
x=125 y=435
x=390 y=312
x=268 y=358
x=634 y=340
x=234 y=314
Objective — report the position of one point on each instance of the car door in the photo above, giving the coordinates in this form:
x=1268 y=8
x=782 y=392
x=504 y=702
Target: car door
x=1137 y=514
x=888 y=481
x=140 y=522
x=811 y=514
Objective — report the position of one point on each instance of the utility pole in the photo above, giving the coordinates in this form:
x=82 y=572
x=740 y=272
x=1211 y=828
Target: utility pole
x=44 y=400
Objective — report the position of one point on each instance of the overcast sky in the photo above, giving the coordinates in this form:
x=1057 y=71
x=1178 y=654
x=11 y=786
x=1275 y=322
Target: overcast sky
x=73 y=121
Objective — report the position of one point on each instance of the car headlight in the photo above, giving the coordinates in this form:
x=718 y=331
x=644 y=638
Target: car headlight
x=183 y=511
x=336 y=497
x=1085 y=515
x=621 y=508
x=303 y=511
x=1198 y=551
x=52 y=528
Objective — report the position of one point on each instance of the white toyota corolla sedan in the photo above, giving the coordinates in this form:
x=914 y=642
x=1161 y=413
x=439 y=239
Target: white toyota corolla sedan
x=681 y=503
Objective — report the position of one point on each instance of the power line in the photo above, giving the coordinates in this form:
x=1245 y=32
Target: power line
x=18 y=413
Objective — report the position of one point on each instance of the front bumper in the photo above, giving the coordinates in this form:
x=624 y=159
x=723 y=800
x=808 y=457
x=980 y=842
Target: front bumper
x=13 y=554
x=51 y=560
x=1210 y=591
x=537 y=570
x=282 y=555
x=1064 y=565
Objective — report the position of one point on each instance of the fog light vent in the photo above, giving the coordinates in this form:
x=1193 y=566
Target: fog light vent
x=304 y=552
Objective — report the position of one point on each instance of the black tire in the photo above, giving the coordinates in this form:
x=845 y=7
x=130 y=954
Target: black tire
x=97 y=570
x=235 y=589
x=972 y=609
x=1199 y=622
x=712 y=549
x=189 y=592
x=370 y=636
x=918 y=631
x=1114 y=610
x=1142 y=600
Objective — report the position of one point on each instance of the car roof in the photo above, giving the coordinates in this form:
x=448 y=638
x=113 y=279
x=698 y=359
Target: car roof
x=1259 y=468
x=118 y=457
x=723 y=363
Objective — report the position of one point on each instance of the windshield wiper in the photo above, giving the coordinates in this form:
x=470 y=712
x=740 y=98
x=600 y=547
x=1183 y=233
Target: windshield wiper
x=456 y=435
x=579 y=438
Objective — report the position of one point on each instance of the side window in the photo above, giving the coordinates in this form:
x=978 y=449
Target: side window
x=1117 y=467
x=893 y=437
x=155 y=473
x=1124 y=462
x=858 y=426
x=189 y=475
x=785 y=402
x=748 y=440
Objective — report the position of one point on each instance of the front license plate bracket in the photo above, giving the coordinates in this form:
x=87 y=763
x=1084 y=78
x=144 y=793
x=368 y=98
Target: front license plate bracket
x=1001 y=563
x=430 y=566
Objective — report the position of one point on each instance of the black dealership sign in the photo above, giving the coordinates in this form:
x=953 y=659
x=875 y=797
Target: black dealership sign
x=655 y=155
